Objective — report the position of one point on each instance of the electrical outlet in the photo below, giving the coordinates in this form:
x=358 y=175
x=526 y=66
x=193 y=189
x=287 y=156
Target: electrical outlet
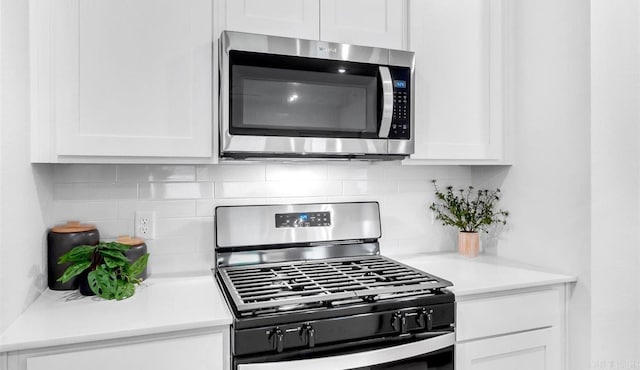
x=145 y=226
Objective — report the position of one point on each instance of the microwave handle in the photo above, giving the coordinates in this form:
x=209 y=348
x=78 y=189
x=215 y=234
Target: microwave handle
x=387 y=101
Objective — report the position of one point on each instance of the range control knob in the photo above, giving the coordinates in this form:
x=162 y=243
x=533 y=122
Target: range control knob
x=425 y=319
x=277 y=336
x=399 y=322
x=310 y=335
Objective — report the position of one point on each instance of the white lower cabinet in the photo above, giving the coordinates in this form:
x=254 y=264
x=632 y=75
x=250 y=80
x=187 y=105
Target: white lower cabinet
x=205 y=351
x=523 y=330
x=533 y=350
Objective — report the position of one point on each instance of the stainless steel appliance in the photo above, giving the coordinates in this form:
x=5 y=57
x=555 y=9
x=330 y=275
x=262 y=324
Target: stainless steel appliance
x=309 y=289
x=283 y=97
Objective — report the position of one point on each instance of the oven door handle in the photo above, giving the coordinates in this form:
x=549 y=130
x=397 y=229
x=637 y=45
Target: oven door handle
x=361 y=359
x=387 y=101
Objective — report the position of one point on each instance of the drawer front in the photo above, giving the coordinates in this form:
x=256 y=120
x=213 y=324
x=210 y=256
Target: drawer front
x=478 y=318
x=532 y=350
x=201 y=352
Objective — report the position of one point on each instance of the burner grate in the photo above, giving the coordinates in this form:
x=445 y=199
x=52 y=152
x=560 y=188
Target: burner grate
x=276 y=285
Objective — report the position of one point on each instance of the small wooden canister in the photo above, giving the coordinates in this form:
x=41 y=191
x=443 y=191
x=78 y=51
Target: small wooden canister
x=60 y=240
x=137 y=249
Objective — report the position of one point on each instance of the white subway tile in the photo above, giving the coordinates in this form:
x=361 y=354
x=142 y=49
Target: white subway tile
x=296 y=172
x=387 y=246
x=205 y=207
x=295 y=200
x=415 y=186
x=155 y=173
x=406 y=216
x=303 y=188
x=355 y=171
x=111 y=229
x=94 y=191
x=180 y=263
x=176 y=190
x=64 y=211
x=369 y=187
x=356 y=198
x=426 y=172
x=230 y=172
x=171 y=245
x=163 y=208
x=188 y=227
x=240 y=189
x=83 y=173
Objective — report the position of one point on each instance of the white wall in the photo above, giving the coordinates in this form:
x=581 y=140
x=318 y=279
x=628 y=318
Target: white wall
x=184 y=198
x=25 y=191
x=615 y=183
x=547 y=189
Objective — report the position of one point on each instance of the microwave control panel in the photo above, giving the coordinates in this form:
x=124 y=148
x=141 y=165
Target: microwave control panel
x=400 y=120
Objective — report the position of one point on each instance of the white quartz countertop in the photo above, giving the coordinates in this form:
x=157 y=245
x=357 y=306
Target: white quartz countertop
x=168 y=304
x=482 y=274
x=160 y=305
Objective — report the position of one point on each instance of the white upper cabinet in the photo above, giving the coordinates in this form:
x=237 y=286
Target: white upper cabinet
x=379 y=23
x=458 y=80
x=286 y=18
x=121 y=78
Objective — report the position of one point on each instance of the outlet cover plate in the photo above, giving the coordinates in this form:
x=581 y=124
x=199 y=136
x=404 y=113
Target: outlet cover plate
x=145 y=224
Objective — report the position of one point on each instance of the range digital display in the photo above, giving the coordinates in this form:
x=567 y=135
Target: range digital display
x=304 y=219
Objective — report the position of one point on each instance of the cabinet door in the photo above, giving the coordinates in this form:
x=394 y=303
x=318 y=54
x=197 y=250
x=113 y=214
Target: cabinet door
x=203 y=352
x=535 y=350
x=379 y=23
x=124 y=77
x=458 y=83
x=287 y=18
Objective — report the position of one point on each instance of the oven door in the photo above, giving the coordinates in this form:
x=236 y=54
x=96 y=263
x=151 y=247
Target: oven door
x=435 y=353
x=279 y=96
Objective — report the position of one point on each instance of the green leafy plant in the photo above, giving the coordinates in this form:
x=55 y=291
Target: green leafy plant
x=468 y=209
x=111 y=274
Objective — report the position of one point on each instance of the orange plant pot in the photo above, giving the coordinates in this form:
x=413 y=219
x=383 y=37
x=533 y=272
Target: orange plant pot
x=468 y=243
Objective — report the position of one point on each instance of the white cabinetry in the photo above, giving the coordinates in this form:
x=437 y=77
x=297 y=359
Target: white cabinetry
x=205 y=351
x=286 y=18
x=535 y=350
x=121 y=78
x=458 y=80
x=378 y=23
x=523 y=330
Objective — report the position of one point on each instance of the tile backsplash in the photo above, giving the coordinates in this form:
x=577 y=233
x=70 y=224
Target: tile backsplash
x=184 y=197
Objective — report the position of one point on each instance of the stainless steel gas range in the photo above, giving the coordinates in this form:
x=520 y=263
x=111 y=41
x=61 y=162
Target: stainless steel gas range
x=309 y=289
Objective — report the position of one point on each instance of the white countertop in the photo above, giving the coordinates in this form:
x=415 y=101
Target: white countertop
x=482 y=274
x=167 y=304
x=160 y=305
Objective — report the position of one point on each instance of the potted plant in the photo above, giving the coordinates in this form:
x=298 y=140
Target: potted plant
x=109 y=273
x=470 y=211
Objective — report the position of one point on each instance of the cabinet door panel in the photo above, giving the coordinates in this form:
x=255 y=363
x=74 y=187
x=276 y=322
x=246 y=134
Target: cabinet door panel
x=535 y=350
x=197 y=352
x=132 y=78
x=287 y=18
x=458 y=87
x=377 y=23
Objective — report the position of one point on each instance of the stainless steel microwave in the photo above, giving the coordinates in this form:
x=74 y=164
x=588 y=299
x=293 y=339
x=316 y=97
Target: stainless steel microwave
x=284 y=97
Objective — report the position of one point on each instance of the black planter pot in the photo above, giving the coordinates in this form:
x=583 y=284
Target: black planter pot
x=84 y=284
x=62 y=239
